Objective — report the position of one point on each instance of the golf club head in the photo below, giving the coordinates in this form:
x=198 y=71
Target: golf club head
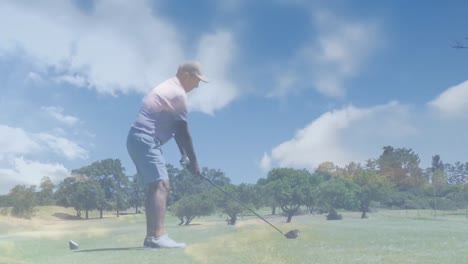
x=73 y=245
x=293 y=234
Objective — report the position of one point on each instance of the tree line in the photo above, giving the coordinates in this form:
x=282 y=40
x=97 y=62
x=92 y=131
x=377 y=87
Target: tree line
x=394 y=180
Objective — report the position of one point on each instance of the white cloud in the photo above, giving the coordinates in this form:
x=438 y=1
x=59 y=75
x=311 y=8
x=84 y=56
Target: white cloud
x=453 y=102
x=217 y=52
x=75 y=80
x=57 y=113
x=265 y=162
x=338 y=53
x=118 y=46
x=17 y=144
x=63 y=146
x=21 y=171
x=35 y=77
x=16 y=141
x=342 y=136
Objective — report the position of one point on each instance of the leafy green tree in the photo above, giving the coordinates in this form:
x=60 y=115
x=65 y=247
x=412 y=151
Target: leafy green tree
x=5 y=200
x=23 y=199
x=437 y=163
x=46 y=193
x=328 y=170
x=64 y=192
x=457 y=173
x=338 y=193
x=227 y=205
x=292 y=188
x=182 y=184
x=87 y=193
x=185 y=186
x=464 y=190
x=371 y=165
x=267 y=195
x=248 y=193
x=371 y=187
x=217 y=176
x=136 y=193
x=191 y=206
x=458 y=194
x=439 y=184
x=352 y=169
x=311 y=199
x=465 y=173
x=121 y=194
x=111 y=177
x=439 y=181
x=83 y=193
x=401 y=167
x=450 y=169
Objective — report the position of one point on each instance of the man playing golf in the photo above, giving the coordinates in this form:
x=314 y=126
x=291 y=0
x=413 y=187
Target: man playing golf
x=163 y=115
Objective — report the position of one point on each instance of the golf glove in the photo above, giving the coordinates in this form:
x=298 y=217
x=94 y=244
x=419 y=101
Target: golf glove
x=184 y=162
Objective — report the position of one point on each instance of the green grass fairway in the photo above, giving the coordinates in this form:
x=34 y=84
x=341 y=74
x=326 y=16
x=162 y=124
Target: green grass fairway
x=385 y=237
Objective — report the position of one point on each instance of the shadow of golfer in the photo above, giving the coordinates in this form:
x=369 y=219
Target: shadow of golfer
x=111 y=249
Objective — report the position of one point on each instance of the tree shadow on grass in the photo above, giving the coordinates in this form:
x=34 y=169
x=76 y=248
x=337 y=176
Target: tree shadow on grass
x=64 y=216
x=196 y=224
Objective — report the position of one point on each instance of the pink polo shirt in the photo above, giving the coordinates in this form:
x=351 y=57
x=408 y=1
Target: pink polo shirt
x=161 y=108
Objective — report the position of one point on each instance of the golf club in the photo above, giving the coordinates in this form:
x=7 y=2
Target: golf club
x=290 y=235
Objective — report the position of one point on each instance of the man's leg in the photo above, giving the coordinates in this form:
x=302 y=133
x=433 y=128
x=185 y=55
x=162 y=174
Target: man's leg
x=149 y=209
x=156 y=201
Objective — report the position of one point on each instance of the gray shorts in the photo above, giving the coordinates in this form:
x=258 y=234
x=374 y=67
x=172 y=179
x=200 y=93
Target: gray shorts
x=146 y=154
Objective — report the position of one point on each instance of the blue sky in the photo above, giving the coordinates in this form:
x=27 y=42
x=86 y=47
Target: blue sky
x=293 y=83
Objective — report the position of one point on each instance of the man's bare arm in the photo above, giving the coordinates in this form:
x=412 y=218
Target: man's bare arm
x=185 y=144
x=179 y=144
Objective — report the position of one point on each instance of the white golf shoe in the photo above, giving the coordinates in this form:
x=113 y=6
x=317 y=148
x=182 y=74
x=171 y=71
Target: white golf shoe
x=163 y=241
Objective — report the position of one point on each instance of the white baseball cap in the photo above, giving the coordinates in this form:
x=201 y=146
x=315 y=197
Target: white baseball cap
x=192 y=67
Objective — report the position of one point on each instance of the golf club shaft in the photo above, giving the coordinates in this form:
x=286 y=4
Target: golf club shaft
x=239 y=202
